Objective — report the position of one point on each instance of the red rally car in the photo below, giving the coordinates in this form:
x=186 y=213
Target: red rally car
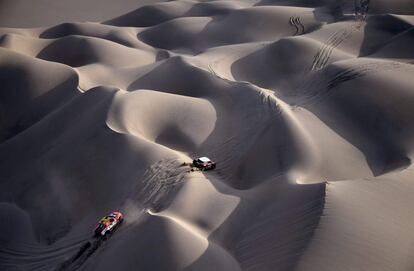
x=108 y=224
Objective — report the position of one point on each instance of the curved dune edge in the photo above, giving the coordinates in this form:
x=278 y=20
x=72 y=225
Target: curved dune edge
x=305 y=107
x=368 y=246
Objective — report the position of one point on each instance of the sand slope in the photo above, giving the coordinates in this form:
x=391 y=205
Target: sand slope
x=306 y=106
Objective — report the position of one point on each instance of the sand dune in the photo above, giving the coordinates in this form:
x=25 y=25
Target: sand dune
x=37 y=88
x=306 y=106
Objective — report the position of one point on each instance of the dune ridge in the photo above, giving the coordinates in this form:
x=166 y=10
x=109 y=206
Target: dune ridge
x=306 y=107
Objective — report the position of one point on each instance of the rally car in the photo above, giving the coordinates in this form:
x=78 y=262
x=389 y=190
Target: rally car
x=108 y=224
x=204 y=163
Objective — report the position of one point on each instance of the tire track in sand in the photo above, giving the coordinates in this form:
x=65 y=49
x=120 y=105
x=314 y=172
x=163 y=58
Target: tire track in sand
x=297 y=24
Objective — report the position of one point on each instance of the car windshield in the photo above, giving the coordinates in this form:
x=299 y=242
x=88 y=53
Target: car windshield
x=204 y=159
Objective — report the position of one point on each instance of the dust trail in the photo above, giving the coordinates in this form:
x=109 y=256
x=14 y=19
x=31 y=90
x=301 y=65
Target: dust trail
x=159 y=183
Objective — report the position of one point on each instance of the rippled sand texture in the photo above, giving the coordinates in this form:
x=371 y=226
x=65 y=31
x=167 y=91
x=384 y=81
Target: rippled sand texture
x=306 y=106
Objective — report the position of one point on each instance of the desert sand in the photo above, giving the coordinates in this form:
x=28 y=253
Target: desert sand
x=306 y=107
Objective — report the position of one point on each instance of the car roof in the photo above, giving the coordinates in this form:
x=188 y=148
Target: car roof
x=204 y=159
